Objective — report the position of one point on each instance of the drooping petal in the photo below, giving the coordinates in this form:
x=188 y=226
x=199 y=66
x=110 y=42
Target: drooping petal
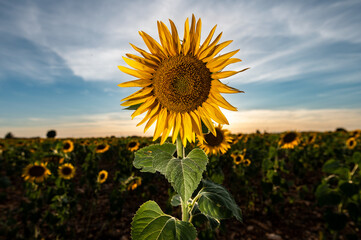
x=136 y=83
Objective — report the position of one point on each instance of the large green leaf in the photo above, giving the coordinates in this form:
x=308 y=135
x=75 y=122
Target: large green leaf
x=150 y=223
x=185 y=174
x=215 y=201
x=145 y=157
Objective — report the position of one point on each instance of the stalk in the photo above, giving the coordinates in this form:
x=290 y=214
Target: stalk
x=180 y=154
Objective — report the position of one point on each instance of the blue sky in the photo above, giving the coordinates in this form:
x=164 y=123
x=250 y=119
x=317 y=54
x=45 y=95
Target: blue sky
x=58 y=63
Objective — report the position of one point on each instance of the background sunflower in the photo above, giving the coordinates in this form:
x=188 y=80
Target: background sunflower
x=36 y=172
x=66 y=171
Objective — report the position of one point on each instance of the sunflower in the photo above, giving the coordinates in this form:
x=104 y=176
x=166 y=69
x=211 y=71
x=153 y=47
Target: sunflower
x=351 y=143
x=134 y=183
x=68 y=146
x=36 y=172
x=133 y=145
x=237 y=158
x=66 y=171
x=289 y=140
x=213 y=144
x=102 y=176
x=101 y=148
x=247 y=162
x=356 y=133
x=179 y=80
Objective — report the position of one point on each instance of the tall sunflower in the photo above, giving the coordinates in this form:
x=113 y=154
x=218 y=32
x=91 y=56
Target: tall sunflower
x=218 y=143
x=180 y=81
x=36 y=172
x=66 y=171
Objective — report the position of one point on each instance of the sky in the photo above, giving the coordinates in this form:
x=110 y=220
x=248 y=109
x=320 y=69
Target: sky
x=58 y=63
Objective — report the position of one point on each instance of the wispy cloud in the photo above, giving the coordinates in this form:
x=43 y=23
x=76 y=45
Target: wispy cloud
x=92 y=37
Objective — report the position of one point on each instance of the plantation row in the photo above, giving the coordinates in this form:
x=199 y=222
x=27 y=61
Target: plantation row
x=88 y=188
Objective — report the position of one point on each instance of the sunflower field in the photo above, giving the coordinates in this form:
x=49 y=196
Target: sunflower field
x=289 y=186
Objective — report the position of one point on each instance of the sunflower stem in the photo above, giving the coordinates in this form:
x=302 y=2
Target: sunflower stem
x=181 y=154
x=180 y=148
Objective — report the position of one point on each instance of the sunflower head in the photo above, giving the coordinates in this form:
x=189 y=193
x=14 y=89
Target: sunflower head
x=101 y=148
x=66 y=171
x=35 y=172
x=237 y=158
x=289 y=140
x=102 y=176
x=68 y=146
x=214 y=144
x=351 y=143
x=180 y=82
x=312 y=138
x=246 y=162
x=133 y=145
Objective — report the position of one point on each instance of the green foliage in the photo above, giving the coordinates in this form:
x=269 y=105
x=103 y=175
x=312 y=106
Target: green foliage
x=151 y=223
x=216 y=202
x=183 y=173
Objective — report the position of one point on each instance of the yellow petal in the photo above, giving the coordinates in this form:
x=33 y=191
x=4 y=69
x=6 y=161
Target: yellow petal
x=136 y=83
x=191 y=34
x=137 y=65
x=197 y=37
x=186 y=39
x=169 y=40
x=209 y=49
x=196 y=122
x=225 y=74
x=134 y=102
x=207 y=41
x=141 y=93
x=169 y=127
x=177 y=45
x=223 y=88
x=153 y=45
x=225 y=64
x=215 y=62
x=144 y=61
x=187 y=122
x=151 y=121
x=135 y=73
x=150 y=113
x=144 y=107
x=216 y=50
x=215 y=113
x=162 y=117
x=217 y=99
x=146 y=54
x=206 y=120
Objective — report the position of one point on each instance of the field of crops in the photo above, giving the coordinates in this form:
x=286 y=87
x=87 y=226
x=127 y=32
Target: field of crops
x=88 y=188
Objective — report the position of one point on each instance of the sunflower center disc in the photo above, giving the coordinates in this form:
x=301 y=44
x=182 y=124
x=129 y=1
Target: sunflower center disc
x=214 y=140
x=182 y=83
x=66 y=171
x=36 y=171
x=132 y=144
x=289 y=137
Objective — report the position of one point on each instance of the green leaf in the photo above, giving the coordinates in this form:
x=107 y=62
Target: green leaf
x=176 y=200
x=356 y=158
x=150 y=223
x=145 y=157
x=185 y=174
x=215 y=201
x=331 y=166
x=133 y=107
x=213 y=222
